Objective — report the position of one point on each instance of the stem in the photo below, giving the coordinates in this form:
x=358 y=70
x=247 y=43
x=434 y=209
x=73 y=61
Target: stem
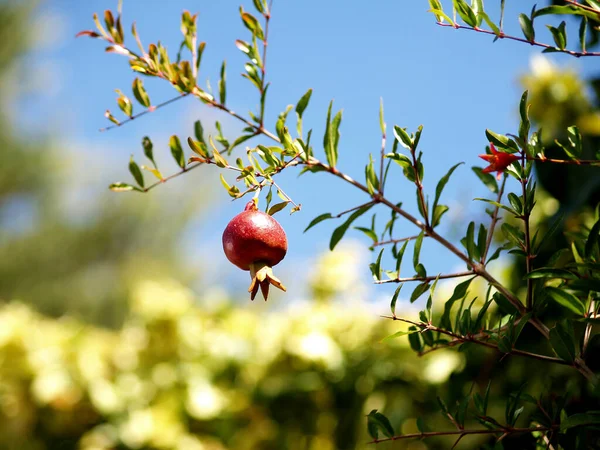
x=430 y=278
x=494 y=221
x=419 y=188
x=149 y=110
x=381 y=158
x=395 y=241
x=514 y=38
x=575 y=162
x=427 y=434
x=525 y=217
x=263 y=68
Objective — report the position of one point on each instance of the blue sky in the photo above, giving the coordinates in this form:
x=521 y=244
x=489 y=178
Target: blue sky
x=455 y=83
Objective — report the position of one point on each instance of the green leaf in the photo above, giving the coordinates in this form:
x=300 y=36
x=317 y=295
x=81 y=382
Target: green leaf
x=398 y=334
x=501 y=141
x=566 y=9
x=506 y=306
x=252 y=24
x=400 y=256
x=442 y=184
x=559 y=34
x=566 y=299
x=419 y=290
x=124 y=103
x=583 y=33
x=303 y=102
x=136 y=172
x=465 y=12
x=417 y=249
x=177 y=151
x=140 y=93
x=339 y=232
x=381 y=121
x=198 y=148
x=199 y=131
x=300 y=107
x=577 y=420
x=148 y=149
x=381 y=422
x=562 y=343
x=371 y=177
x=376 y=267
x=525 y=124
x=489 y=22
x=527 y=27
x=460 y=291
x=277 y=207
x=395 y=299
x=223 y=85
x=486 y=178
x=403 y=137
x=438 y=212
x=123 y=187
x=548 y=272
x=317 y=220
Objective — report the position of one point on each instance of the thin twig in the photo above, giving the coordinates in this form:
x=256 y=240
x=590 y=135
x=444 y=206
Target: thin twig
x=494 y=221
x=468 y=339
x=427 y=434
x=284 y=194
x=263 y=69
x=575 y=162
x=427 y=279
x=515 y=38
x=396 y=241
x=147 y=111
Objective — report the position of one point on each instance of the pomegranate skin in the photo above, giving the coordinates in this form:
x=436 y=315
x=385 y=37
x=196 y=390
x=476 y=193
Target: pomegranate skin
x=252 y=237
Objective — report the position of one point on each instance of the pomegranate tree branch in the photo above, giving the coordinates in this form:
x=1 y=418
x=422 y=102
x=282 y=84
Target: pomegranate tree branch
x=525 y=217
x=426 y=434
x=515 y=38
x=468 y=338
x=426 y=279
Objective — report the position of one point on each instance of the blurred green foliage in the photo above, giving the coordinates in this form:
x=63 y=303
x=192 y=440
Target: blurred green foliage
x=60 y=261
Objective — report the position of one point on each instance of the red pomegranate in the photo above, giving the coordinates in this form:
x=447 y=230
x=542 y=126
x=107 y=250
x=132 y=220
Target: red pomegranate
x=256 y=242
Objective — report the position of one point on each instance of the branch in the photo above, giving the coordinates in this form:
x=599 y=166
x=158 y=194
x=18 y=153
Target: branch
x=426 y=434
x=431 y=278
x=143 y=113
x=514 y=38
x=465 y=339
x=575 y=162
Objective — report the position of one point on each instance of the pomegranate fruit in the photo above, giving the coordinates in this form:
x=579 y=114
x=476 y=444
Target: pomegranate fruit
x=254 y=241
